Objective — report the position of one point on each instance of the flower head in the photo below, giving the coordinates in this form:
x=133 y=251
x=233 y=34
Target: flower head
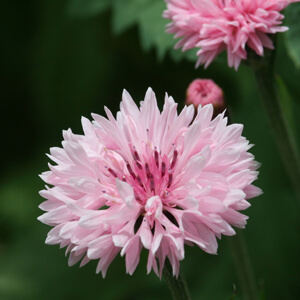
x=230 y=25
x=147 y=179
x=203 y=92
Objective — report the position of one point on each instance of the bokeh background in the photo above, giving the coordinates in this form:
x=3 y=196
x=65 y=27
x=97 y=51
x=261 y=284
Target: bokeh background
x=61 y=60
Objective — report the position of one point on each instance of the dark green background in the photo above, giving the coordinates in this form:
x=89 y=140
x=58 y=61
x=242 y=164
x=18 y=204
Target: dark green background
x=55 y=69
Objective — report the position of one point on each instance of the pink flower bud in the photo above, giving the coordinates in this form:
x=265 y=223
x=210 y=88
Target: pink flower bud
x=203 y=92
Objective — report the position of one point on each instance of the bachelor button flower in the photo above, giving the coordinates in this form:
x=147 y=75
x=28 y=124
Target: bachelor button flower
x=147 y=180
x=231 y=25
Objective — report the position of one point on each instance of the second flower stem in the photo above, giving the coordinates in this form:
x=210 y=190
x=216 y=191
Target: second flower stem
x=243 y=266
x=265 y=76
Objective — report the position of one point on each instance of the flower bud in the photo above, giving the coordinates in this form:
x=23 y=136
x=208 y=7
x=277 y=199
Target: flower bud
x=203 y=92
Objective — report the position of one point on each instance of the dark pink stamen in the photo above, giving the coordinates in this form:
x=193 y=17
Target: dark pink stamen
x=130 y=171
x=170 y=180
x=139 y=165
x=174 y=159
x=151 y=178
x=139 y=180
x=163 y=169
x=112 y=172
x=156 y=157
x=135 y=154
x=147 y=170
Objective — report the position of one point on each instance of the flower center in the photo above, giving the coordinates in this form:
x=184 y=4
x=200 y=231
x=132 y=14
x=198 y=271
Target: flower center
x=151 y=176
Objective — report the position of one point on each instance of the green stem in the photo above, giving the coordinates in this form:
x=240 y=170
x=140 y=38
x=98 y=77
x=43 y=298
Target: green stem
x=243 y=266
x=265 y=76
x=177 y=286
x=242 y=262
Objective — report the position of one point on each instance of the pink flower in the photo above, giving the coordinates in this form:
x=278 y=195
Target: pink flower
x=231 y=25
x=147 y=180
x=203 y=92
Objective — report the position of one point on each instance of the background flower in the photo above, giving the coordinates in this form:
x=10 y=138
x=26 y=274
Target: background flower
x=148 y=179
x=230 y=25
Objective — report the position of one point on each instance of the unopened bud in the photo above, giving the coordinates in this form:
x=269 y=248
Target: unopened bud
x=203 y=92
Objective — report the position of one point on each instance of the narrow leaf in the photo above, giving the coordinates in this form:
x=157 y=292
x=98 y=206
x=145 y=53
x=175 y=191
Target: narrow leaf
x=286 y=103
x=292 y=13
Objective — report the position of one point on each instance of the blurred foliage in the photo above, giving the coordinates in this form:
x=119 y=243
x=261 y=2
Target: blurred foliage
x=56 y=68
x=292 y=35
x=146 y=14
x=88 y=7
x=234 y=293
x=286 y=104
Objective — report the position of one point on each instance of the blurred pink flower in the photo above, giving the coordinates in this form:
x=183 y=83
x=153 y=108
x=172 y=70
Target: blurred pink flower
x=203 y=92
x=231 y=25
x=147 y=180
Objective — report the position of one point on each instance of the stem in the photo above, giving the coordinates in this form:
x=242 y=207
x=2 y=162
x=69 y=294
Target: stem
x=265 y=76
x=242 y=261
x=243 y=266
x=177 y=286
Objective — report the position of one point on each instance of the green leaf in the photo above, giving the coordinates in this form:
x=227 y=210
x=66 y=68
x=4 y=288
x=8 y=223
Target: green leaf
x=152 y=29
x=286 y=103
x=84 y=8
x=153 y=33
x=126 y=13
x=292 y=36
x=190 y=55
x=147 y=14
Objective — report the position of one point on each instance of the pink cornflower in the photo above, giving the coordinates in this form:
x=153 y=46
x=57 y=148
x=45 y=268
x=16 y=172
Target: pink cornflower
x=147 y=179
x=231 y=25
x=203 y=92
